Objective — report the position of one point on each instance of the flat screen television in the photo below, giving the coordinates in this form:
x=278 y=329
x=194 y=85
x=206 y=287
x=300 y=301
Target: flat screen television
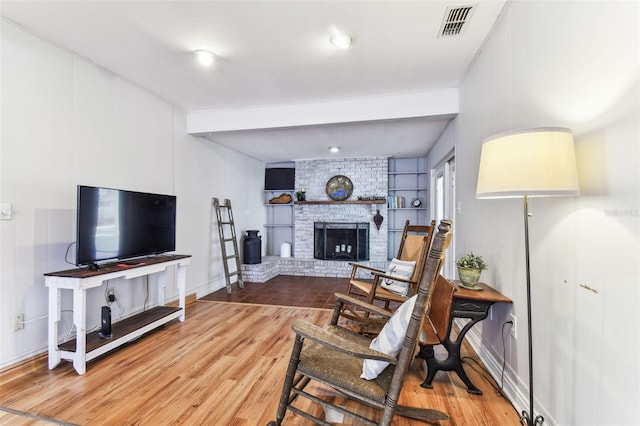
x=118 y=224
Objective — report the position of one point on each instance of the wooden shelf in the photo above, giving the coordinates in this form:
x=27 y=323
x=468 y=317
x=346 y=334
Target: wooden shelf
x=342 y=202
x=418 y=172
x=122 y=328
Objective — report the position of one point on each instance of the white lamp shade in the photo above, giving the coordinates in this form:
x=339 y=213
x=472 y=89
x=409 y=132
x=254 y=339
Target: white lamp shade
x=531 y=162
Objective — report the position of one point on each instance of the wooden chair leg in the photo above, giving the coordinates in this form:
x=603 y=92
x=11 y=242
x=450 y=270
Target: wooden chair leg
x=288 y=380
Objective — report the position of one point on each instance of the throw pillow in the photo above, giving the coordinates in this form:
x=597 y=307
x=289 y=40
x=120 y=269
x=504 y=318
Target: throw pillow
x=390 y=339
x=399 y=269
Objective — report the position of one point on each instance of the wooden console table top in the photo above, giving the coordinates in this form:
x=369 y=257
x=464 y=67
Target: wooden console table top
x=121 y=265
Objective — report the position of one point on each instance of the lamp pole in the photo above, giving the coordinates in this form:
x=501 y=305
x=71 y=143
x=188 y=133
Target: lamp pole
x=527 y=418
x=523 y=163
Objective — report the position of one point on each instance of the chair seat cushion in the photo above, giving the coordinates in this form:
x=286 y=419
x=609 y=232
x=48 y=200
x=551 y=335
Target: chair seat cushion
x=342 y=371
x=390 y=339
x=399 y=269
x=381 y=293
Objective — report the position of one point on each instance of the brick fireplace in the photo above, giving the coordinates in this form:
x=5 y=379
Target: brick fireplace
x=370 y=179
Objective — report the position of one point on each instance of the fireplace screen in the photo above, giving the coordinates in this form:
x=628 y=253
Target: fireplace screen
x=341 y=241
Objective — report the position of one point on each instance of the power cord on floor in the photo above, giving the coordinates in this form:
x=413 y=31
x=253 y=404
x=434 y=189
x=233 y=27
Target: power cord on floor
x=488 y=377
x=480 y=369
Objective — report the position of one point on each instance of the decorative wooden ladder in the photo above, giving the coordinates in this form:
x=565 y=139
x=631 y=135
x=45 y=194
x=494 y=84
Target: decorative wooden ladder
x=224 y=215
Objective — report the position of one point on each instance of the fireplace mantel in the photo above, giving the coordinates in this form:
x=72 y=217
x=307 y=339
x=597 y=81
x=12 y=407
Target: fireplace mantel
x=342 y=202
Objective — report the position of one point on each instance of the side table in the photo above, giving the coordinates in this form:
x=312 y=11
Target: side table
x=471 y=304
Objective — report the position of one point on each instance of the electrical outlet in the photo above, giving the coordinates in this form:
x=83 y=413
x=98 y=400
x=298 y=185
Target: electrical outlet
x=110 y=292
x=18 y=322
x=514 y=327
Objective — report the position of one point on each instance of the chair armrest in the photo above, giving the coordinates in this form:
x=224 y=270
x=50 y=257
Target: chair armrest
x=325 y=338
x=369 y=268
x=363 y=305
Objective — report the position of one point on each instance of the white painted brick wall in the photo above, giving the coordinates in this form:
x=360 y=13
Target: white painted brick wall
x=369 y=177
x=272 y=266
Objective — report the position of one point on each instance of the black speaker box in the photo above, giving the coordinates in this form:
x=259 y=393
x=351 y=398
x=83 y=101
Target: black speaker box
x=279 y=178
x=105 y=323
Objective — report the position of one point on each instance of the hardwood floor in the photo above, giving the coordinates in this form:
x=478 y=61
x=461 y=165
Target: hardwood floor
x=284 y=290
x=223 y=366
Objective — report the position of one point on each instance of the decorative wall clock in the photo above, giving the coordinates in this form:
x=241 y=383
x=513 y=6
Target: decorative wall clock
x=339 y=188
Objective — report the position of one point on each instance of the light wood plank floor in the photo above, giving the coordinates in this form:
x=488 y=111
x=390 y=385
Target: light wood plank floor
x=223 y=366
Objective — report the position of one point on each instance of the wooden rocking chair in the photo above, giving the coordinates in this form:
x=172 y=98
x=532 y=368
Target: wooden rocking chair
x=414 y=247
x=334 y=355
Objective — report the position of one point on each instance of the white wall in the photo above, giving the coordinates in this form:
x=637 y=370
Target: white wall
x=66 y=121
x=569 y=64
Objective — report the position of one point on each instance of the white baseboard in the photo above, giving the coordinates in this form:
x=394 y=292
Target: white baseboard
x=515 y=390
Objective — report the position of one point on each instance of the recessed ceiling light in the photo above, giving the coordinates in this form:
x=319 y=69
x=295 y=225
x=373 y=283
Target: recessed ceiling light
x=334 y=149
x=204 y=57
x=341 y=39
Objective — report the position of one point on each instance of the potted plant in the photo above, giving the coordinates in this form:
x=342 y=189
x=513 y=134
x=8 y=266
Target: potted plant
x=301 y=195
x=470 y=266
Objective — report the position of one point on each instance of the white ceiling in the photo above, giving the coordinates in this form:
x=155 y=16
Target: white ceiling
x=275 y=53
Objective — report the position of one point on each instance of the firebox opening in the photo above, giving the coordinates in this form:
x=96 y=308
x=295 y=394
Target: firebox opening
x=341 y=241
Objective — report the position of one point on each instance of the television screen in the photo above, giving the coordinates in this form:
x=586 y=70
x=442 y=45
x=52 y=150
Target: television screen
x=118 y=224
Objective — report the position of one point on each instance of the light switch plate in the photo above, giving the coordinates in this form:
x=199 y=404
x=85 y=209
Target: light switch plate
x=5 y=211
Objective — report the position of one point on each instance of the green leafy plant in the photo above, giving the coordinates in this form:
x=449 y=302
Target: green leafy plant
x=471 y=261
x=301 y=195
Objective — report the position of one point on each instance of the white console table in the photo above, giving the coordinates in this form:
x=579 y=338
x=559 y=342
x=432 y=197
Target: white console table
x=87 y=346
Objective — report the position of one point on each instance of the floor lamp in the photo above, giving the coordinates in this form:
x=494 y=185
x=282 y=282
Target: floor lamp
x=537 y=162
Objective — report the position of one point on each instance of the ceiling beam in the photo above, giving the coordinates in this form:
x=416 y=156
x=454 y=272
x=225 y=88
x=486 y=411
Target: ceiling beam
x=433 y=103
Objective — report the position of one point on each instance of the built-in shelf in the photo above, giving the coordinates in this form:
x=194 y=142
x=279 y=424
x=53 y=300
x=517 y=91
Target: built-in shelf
x=343 y=202
x=280 y=227
x=408 y=173
x=408 y=180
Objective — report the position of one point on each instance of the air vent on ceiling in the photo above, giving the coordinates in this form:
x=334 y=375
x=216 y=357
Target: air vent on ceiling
x=454 y=20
